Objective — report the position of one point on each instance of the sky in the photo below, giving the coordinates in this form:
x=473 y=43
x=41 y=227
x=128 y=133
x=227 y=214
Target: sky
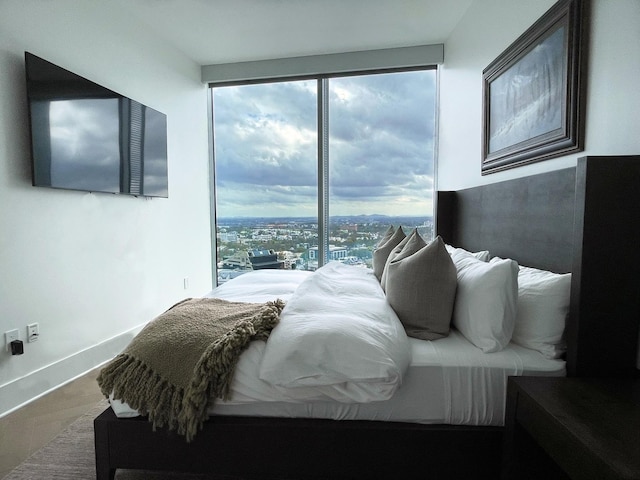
x=381 y=143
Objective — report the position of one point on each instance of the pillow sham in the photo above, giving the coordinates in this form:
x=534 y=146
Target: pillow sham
x=480 y=255
x=543 y=305
x=421 y=288
x=396 y=250
x=381 y=253
x=386 y=235
x=486 y=300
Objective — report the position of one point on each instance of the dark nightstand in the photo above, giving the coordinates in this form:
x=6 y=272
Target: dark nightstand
x=578 y=428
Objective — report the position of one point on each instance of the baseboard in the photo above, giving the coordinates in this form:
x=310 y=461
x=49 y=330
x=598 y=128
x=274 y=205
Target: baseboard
x=24 y=390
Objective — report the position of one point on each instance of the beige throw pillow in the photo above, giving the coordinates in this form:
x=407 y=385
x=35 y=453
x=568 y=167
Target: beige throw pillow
x=381 y=252
x=421 y=288
x=396 y=251
x=386 y=236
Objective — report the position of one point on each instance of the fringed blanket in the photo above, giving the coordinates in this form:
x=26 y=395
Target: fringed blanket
x=185 y=358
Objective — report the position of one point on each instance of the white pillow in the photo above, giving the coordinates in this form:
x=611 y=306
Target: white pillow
x=543 y=305
x=486 y=300
x=481 y=255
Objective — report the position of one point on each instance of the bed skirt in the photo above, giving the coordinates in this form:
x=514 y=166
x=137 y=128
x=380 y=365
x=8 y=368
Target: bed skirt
x=282 y=448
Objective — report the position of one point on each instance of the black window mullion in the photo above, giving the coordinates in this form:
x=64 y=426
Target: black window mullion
x=323 y=171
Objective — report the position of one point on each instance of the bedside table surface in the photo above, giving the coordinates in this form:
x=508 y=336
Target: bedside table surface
x=593 y=423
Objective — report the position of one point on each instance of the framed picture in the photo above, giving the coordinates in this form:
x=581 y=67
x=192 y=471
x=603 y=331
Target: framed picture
x=533 y=93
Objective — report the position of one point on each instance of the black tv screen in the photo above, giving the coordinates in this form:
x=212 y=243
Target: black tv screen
x=87 y=137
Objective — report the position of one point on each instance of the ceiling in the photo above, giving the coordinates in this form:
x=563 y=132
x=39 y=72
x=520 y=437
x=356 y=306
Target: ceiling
x=223 y=31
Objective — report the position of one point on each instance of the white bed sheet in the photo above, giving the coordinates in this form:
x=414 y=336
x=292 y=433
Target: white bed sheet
x=449 y=381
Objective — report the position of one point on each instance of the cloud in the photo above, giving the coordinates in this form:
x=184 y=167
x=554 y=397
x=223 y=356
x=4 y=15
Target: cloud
x=380 y=145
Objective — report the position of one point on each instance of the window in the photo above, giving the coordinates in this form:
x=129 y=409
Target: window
x=309 y=171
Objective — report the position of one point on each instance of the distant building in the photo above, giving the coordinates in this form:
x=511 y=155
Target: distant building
x=262 y=237
x=229 y=237
x=238 y=261
x=335 y=253
x=263 y=259
x=252 y=260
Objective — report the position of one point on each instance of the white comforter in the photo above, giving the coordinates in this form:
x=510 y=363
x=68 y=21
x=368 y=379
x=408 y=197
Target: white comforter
x=338 y=338
x=338 y=334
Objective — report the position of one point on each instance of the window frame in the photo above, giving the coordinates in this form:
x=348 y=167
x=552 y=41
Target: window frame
x=323 y=146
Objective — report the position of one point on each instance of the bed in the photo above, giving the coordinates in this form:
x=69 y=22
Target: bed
x=572 y=220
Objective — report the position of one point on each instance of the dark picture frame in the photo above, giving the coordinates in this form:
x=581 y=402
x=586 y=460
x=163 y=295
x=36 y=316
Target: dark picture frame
x=534 y=91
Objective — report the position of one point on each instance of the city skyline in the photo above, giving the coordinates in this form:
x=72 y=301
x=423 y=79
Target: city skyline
x=292 y=240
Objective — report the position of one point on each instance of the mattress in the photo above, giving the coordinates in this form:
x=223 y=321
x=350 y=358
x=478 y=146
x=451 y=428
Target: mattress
x=449 y=381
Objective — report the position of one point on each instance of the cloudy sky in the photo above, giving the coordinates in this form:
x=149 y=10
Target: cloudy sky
x=381 y=133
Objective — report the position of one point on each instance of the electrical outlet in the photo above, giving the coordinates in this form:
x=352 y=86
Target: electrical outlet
x=9 y=337
x=33 y=332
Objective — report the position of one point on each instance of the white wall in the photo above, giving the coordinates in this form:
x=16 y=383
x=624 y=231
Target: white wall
x=92 y=268
x=490 y=26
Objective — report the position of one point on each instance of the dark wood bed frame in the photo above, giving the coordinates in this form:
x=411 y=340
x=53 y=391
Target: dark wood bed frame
x=581 y=220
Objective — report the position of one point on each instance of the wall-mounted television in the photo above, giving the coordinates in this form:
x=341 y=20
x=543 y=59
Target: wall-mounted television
x=87 y=137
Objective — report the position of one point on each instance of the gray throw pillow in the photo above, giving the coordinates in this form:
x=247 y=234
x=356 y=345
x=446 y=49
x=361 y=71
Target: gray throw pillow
x=386 y=236
x=381 y=253
x=416 y=244
x=421 y=288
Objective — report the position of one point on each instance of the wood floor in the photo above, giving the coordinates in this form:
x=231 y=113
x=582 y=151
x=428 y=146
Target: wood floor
x=31 y=427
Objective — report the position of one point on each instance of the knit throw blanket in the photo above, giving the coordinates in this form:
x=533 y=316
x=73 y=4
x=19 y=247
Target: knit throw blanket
x=185 y=358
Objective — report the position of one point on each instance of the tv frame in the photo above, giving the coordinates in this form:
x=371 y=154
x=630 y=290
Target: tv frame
x=132 y=178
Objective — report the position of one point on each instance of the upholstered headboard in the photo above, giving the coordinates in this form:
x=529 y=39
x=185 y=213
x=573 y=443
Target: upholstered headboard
x=580 y=220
